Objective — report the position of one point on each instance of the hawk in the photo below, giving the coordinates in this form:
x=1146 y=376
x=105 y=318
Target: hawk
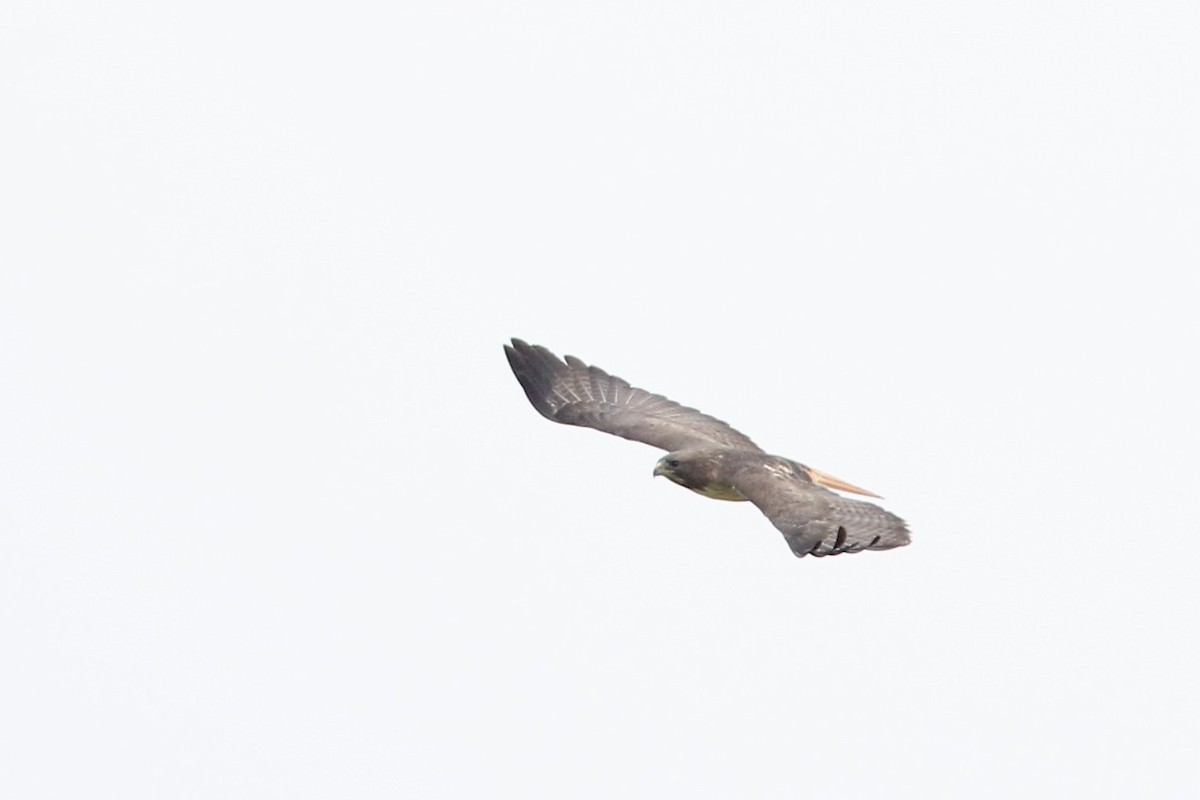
x=708 y=456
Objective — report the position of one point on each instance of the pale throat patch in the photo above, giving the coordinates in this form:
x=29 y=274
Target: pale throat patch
x=719 y=492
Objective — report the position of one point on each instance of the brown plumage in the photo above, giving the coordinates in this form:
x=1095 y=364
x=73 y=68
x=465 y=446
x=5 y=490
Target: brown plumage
x=707 y=455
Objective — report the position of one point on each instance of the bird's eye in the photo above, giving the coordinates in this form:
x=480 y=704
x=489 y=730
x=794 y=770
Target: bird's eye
x=673 y=462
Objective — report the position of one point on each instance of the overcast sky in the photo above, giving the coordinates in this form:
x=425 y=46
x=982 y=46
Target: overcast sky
x=277 y=521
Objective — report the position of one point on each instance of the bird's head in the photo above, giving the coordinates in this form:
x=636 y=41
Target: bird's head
x=691 y=469
x=669 y=466
x=700 y=471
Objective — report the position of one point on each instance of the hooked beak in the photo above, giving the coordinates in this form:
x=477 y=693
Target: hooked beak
x=659 y=469
x=830 y=482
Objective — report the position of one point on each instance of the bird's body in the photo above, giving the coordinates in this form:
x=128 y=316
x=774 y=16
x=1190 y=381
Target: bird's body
x=708 y=456
x=713 y=472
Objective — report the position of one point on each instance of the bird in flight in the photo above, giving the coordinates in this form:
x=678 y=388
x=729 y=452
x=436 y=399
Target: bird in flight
x=708 y=456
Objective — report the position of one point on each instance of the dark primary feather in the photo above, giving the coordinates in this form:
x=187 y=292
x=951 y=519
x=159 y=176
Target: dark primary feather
x=573 y=393
x=815 y=521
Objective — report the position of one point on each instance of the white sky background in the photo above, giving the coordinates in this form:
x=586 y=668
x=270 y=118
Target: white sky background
x=277 y=521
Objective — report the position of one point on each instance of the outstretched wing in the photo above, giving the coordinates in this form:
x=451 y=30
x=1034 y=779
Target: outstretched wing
x=815 y=521
x=574 y=393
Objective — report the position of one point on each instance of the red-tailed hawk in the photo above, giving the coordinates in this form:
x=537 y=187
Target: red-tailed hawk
x=708 y=456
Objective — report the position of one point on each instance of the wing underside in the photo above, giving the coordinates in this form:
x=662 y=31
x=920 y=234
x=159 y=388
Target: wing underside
x=574 y=393
x=815 y=521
